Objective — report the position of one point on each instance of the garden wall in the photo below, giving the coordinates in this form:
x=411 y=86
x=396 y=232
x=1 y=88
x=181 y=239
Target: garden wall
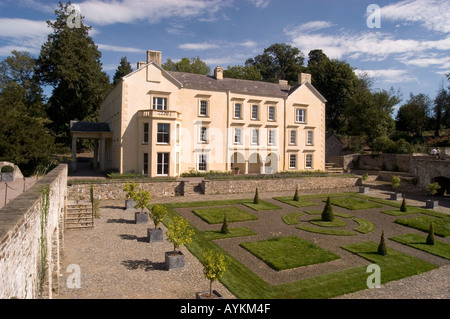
x=277 y=185
x=31 y=236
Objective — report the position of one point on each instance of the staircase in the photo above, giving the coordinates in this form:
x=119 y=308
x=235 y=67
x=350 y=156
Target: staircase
x=79 y=215
x=332 y=169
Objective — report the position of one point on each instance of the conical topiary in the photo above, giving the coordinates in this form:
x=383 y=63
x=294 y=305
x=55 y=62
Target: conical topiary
x=382 y=250
x=430 y=238
x=327 y=213
x=403 y=208
x=256 y=198
x=296 y=194
x=225 y=229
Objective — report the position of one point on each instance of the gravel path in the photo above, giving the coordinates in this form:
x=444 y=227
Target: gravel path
x=117 y=262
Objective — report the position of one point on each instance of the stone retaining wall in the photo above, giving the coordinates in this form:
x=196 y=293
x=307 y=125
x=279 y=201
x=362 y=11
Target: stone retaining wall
x=277 y=185
x=31 y=237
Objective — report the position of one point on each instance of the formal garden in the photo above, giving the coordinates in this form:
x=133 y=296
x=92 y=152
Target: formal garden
x=313 y=246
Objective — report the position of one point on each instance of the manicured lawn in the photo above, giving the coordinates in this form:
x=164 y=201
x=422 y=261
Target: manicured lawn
x=302 y=202
x=439 y=248
x=326 y=231
x=288 y=252
x=441 y=225
x=262 y=205
x=234 y=232
x=354 y=203
x=215 y=215
x=319 y=212
x=364 y=226
x=335 y=223
x=292 y=218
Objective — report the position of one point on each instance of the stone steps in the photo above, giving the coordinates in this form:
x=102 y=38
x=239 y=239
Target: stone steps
x=79 y=215
x=332 y=169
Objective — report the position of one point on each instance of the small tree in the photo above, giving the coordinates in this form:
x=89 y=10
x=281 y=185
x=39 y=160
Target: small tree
x=296 y=194
x=432 y=189
x=225 y=229
x=395 y=182
x=179 y=232
x=142 y=199
x=327 y=213
x=157 y=213
x=130 y=190
x=403 y=208
x=364 y=178
x=256 y=198
x=430 y=237
x=382 y=250
x=214 y=266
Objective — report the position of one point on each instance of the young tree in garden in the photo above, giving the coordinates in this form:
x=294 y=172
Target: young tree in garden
x=403 y=207
x=382 y=250
x=180 y=232
x=327 y=213
x=193 y=65
x=69 y=61
x=430 y=237
x=225 y=229
x=296 y=194
x=256 y=198
x=123 y=69
x=214 y=266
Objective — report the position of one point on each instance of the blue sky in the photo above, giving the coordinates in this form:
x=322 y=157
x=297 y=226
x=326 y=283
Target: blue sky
x=409 y=51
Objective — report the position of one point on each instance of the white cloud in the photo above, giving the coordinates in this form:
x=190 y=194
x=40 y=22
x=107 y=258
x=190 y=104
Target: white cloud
x=308 y=27
x=260 y=3
x=431 y=14
x=107 y=47
x=425 y=62
x=198 y=46
x=120 y=11
x=388 y=75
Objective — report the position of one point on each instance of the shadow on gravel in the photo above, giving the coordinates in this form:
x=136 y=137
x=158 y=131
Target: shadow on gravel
x=144 y=264
x=134 y=237
x=121 y=221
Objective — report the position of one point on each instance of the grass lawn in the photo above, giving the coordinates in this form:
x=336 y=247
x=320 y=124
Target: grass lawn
x=262 y=205
x=302 y=202
x=292 y=218
x=234 y=232
x=215 y=215
x=288 y=252
x=441 y=225
x=354 y=203
x=335 y=223
x=364 y=226
x=326 y=231
x=319 y=212
x=439 y=248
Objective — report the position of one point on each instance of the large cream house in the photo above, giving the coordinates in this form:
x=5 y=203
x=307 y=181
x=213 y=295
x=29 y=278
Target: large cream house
x=166 y=123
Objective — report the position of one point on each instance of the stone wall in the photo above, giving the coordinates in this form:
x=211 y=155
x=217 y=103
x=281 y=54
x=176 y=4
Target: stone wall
x=31 y=237
x=427 y=169
x=277 y=185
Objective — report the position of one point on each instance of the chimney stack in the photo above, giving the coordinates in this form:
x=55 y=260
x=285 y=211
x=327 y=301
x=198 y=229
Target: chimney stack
x=304 y=77
x=154 y=56
x=218 y=73
x=140 y=64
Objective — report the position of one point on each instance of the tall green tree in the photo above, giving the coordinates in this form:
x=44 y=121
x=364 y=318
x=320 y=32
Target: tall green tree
x=280 y=61
x=243 y=72
x=69 y=61
x=413 y=117
x=123 y=69
x=441 y=110
x=193 y=65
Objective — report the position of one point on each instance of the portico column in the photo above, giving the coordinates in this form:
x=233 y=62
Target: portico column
x=246 y=167
x=95 y=160
x=102 y=154
x=74 y=153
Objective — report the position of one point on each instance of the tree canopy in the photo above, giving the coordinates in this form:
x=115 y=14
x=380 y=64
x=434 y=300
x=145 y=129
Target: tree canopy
x=123 y=69
x=193 y=65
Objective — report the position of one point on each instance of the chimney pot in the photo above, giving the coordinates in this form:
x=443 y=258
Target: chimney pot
x=154 y=56
x=304 y=77
x=218 y=73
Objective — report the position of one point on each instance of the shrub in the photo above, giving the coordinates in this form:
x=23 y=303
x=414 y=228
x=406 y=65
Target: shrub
x=225 y=229
x=382 y=246
x=296 y=195
x=395 y=182
x=157 y=213
x=179 y=232
x=327 y=213
x=130 y=190
x=403 y=208
x=430 y=237
x=142 y=199
x=214 y=266
x=256 y=198
x=432 y=188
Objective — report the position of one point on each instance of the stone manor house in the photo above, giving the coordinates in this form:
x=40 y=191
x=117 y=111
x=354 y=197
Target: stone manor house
x=165 y=123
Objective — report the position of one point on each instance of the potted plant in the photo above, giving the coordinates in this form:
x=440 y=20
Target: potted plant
x=142 y=199
x=363 y=188
x=157 y=213
x=432 y=189
x=395 y=183
x=130 y=193
x=179 y=233
x=236 y=170
x=214 y=266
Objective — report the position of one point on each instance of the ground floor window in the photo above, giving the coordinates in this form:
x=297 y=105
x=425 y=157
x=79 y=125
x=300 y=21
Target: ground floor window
x=202 y=159
x=293 y=161
x=145 y=164
x=163 y=163
x=309 y=161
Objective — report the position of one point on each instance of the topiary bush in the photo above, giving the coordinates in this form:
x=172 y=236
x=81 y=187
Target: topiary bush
x=327 y=213
x=256 y=198
x=296 y=195
x=225 y=229
x=382 y=250
x=403 y=208
x=430 y=237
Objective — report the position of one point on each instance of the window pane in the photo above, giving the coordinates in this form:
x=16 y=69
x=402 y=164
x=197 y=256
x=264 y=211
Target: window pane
x=237 y=110
x=271 y=137
x=163 y=133
x=203 y=108
x=254 y=112
x=203 y=134
x=145 y=164
x=202 y=162
x=237 y=135
x=163 y=164
x=308 y=161
x=310 y=138
x=300 y=116
x=255 y=134
x=293 y=137
x=292 y=161
x=160 y=103
x=145 y=137
x=271 y=113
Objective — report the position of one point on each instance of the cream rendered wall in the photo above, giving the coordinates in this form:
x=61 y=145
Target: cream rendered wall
x=304 y=98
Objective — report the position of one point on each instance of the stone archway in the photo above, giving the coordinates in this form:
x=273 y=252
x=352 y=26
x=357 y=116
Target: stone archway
x=444 y=182
x=271 y=164
x=254 y=164
x=238 y=160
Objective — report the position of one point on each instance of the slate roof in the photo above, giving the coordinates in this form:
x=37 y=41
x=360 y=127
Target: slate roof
x=79 y=126
x=203 y=82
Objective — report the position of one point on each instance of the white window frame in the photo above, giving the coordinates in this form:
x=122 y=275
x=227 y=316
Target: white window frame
x=203 y=134
x=145 y=133
x=310 y=137
x=254 y=109
x=145 y=164
x=160 y=106
x=293 y=158
x=236 y=108
x=202 y=160
x=293 y=134
x=274 y=113
x=158 y=133
x=203 y=105
x=238 y=134
x=302 y=118
x=311 y=158
x=165 y=156
x=271 y=137
x=255 y=135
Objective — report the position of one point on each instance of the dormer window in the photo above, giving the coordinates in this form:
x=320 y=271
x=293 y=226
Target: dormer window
x=160 y=103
